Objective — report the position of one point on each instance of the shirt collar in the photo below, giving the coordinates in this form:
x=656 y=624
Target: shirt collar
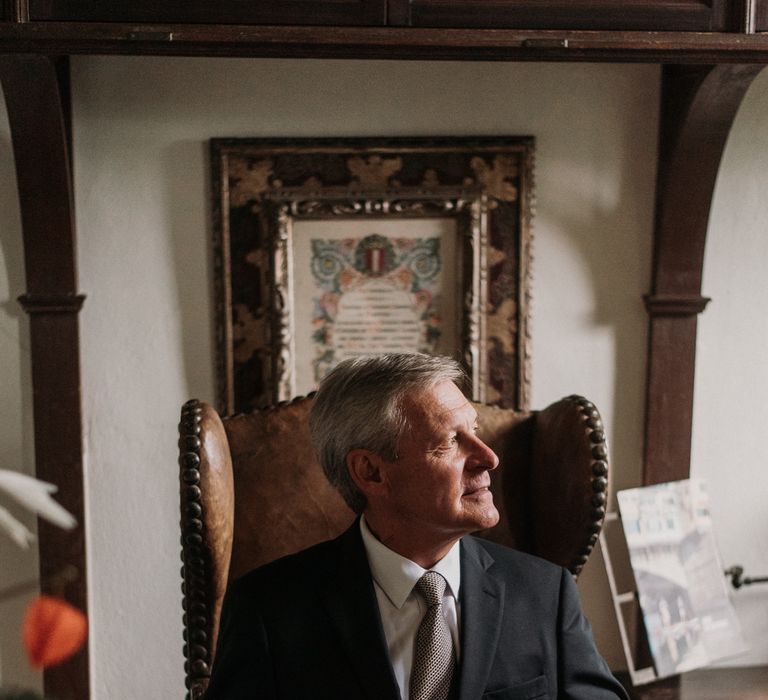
x=397 y=576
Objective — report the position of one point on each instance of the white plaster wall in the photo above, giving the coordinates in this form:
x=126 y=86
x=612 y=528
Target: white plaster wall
x=141 y=127
x=16 y=435
x=730 y=410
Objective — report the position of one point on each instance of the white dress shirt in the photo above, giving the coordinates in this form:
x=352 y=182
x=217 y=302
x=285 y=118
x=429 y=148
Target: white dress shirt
x=401 y=608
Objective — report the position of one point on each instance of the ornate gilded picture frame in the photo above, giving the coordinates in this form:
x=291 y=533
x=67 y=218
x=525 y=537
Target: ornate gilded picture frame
x=324 y=249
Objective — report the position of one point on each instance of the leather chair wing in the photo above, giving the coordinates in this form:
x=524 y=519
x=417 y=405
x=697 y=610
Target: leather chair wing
x=569 y=482
x=207 y=526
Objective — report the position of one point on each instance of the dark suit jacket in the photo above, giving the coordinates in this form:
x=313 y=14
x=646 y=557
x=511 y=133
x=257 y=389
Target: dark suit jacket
x=308 y=626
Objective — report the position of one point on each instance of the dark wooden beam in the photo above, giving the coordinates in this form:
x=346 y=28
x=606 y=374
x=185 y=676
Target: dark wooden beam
x=698 y=105
x=67 y=38
x=40 y=146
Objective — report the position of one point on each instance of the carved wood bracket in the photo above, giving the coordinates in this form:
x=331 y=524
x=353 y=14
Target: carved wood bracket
x=675 y=304
x=698 y=105
x=52 y=304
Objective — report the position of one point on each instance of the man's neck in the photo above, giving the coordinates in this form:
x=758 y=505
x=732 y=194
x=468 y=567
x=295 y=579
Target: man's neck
x=409 y=542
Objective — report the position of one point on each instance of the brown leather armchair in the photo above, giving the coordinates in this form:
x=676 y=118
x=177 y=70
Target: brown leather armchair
x=251 y=491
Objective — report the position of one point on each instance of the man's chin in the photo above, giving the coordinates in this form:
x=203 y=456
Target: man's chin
x=485 y=516
x=491 y=518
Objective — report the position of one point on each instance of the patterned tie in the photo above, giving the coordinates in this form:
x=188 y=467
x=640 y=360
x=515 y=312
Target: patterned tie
x=433 y=654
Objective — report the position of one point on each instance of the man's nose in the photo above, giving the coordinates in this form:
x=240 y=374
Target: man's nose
x=483 y=457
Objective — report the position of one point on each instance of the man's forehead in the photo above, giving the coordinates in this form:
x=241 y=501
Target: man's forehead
x=441 y=401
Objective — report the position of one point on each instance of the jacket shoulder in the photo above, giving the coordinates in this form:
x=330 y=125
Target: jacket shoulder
x=285 y=576
x=515 y=560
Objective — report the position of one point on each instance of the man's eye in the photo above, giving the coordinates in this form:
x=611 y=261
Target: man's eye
x=449 y=444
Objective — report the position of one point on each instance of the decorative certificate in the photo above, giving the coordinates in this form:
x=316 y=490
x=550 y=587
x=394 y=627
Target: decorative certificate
x=370 y=286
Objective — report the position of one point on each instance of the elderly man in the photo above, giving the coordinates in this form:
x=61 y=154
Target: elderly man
x=406 y=604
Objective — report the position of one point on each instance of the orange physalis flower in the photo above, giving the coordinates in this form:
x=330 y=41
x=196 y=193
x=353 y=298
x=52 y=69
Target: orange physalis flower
x=53 y=631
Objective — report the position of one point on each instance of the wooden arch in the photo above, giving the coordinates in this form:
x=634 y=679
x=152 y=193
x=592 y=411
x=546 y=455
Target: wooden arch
x=698 y=105
x=34 y=98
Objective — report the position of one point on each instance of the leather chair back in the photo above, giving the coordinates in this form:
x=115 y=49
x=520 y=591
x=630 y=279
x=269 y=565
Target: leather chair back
x=252 y=491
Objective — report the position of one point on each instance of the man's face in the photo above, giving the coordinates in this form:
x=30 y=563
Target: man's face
x=439 y=484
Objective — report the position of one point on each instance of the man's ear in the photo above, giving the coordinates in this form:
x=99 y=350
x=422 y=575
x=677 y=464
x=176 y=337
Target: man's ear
x=364 y=467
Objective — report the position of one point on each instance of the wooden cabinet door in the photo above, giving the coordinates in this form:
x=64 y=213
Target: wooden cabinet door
x=319 y=12
x=680 y=15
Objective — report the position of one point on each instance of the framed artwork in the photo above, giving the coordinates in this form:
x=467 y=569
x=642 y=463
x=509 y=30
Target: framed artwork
x=328 y=249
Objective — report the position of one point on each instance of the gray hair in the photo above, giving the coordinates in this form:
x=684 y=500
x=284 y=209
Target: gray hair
x=359 y=405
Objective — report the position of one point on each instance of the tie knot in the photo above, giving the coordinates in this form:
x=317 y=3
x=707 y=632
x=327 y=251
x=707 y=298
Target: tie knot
x=431 y=586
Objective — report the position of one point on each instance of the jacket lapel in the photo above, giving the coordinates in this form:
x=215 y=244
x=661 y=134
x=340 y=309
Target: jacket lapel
x=350 y=600
x=482 y=608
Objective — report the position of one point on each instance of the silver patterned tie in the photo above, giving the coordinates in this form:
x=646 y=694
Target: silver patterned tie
x=433 y=658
